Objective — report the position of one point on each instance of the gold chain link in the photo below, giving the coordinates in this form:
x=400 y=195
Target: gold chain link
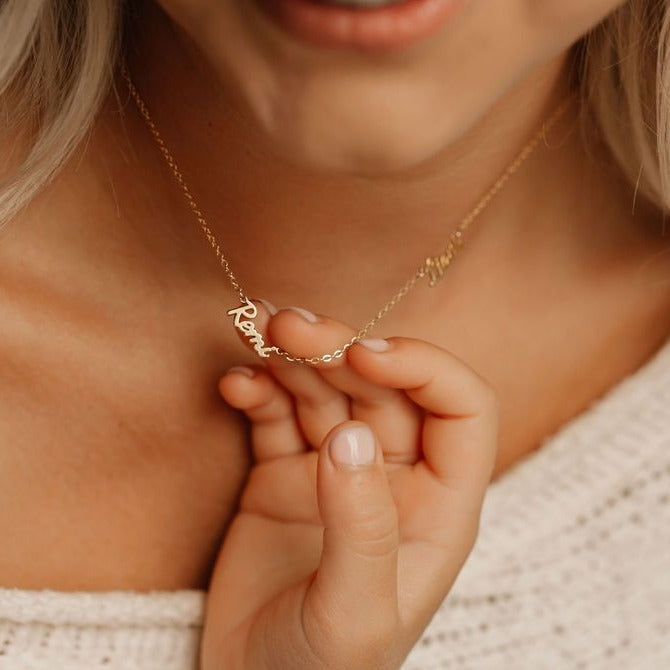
x=433 y=267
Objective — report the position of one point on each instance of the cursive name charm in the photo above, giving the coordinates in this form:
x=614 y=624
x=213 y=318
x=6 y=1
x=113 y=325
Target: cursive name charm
x=247 y=327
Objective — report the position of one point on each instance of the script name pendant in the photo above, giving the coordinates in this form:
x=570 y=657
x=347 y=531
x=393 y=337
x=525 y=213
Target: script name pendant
x=248 y=328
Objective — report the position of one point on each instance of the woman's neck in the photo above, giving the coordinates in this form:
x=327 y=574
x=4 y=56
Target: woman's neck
x=320 y=236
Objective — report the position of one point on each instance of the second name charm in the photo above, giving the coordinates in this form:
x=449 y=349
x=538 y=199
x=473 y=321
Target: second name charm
x=248 y=328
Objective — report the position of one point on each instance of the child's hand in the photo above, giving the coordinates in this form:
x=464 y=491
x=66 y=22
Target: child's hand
x=333 y=566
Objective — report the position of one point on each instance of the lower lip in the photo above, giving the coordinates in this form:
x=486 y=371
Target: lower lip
x=380 y=28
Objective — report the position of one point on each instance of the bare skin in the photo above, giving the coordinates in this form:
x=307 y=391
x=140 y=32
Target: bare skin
x=117 y=449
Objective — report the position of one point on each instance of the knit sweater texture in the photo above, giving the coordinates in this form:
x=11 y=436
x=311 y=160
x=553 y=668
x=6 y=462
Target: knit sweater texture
x=571 y=568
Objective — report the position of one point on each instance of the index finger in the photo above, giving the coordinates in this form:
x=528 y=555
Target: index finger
x=460 y=432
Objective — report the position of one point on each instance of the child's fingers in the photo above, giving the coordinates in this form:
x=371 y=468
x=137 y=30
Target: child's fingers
x=460 y=431
x=390 y=414
x=318 y=404
x=459 y=442
x=269 y=407
x=284 y=490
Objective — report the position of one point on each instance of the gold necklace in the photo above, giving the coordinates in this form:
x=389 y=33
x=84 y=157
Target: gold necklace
x=433 y=267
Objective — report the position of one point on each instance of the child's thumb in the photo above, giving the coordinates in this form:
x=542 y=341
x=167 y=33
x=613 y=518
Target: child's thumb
x=354 y=595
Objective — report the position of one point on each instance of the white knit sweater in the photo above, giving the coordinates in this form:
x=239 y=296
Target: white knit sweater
x=571 y=568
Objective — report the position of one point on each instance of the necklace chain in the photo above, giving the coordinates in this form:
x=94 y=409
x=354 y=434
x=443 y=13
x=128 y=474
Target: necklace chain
x=433 y=267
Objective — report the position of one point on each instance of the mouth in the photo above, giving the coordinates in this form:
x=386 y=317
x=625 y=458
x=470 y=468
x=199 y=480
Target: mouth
x=369 y=25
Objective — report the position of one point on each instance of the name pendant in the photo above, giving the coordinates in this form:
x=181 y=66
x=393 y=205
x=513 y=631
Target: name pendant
x=242 y=321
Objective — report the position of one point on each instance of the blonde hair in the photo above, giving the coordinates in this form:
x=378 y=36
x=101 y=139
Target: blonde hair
x=58 y=57
x=56 y=61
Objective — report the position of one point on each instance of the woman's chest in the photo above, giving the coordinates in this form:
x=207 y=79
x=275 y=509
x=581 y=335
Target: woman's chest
x=121 y=465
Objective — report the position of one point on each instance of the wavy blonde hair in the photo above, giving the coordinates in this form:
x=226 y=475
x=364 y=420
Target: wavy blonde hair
x=58 y=57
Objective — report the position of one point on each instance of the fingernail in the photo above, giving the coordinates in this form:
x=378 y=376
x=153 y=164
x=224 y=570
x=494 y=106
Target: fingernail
x=243 y=369
x=268 y=306
x=305 y=314
x=353 y=447
x=376 y=345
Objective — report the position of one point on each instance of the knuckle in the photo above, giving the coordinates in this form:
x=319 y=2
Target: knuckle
x=378 y=548
x=375 y=536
